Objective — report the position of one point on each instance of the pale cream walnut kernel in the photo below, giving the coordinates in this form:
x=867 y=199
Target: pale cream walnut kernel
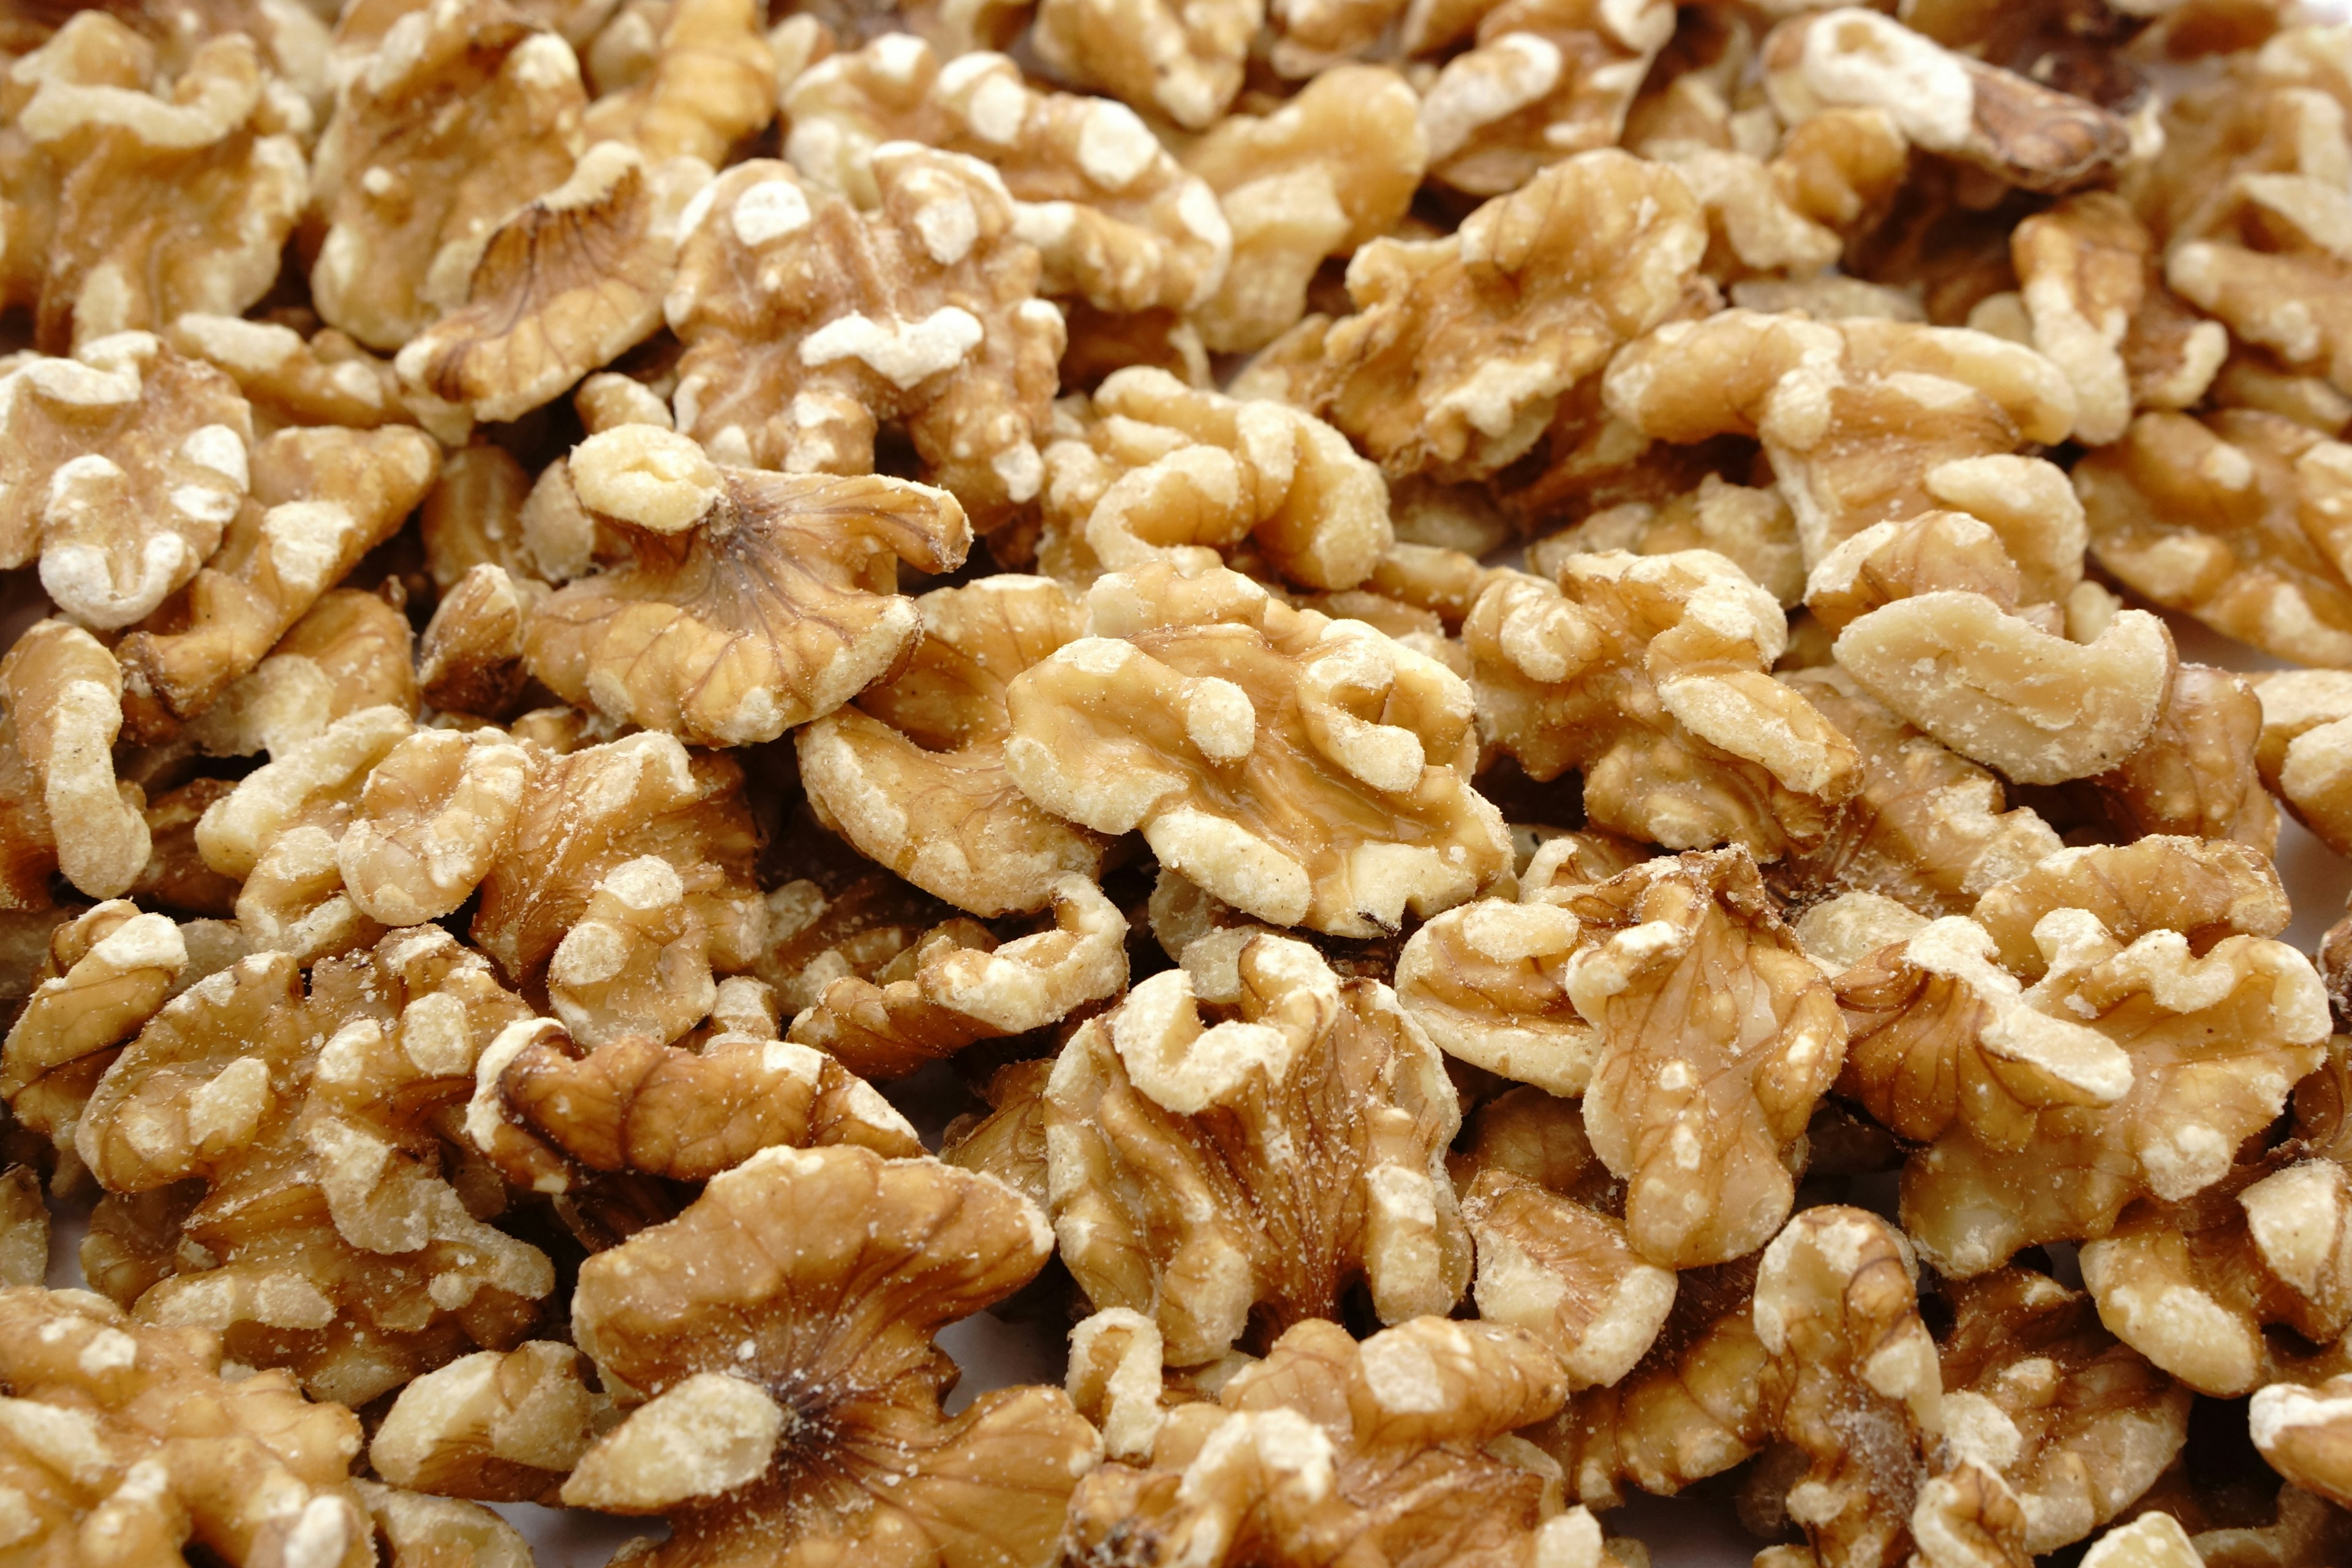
x=710 y=86
x=1565 y=1274
x=324 y=379
x=470 y=659
x=432 y=816
x=637 y=961
x=2306 y=1435
x=1752 y=528
x=498 y=1426
x=1184 y=63
x=63 y=692
x=108 y=972
x=349 y=651
x=1488 y=981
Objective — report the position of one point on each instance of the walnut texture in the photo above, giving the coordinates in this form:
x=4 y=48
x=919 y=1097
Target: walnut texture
x=710 y=86
x=500 y=1426
x=1565 y=1274
x=1183 y=63
x=63 y=693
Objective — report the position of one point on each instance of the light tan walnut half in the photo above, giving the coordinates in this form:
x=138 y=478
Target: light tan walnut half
x=1332 y=169
x=138 y=193
x=1303 y=770
x=63 y=692
x=1716 y=1037
x=912 y=771
x=2238 y=518
x=108 y=972
x=1119 y=222
x=758 y=1425
x=1155 y=469
x=432 y=816
x=2306 y=1435
x=463 y=112
x=807 y=323
x=710 y=86
x=324 y=1237
x=1249 y=1161
x=1180 y=62
x=1565 y=1274
x=502 y=1427
x=2304 y=751
x=1488 y=982
x=1751 y=527
x=1463 y=349
x=1397 y=1445
x=565 y=285
x=749 y=602
x=1648 y=675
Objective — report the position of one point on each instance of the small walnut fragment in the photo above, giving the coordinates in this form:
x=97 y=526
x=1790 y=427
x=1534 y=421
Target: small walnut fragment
x=1793 y=212
x=1199 y=1174
x=431 y=819
x=63 y=693
x=912 y=772
x=107 y=973
x=500 y=1426
x=2197 y=774
x=1303 y=770
x=419 y=1530
x=807 y=323
x=464 y=111
x=710 y=85
x=1398 y=1447
x=1752 y=528
x=813 y=1441
x=1647 y=674
x=2151 y=1541
x=349 y=651
x=854 y=923
x=1716 y=1037
x=470 y=659
x=1181 y=62
x=1488 y=982
x=2306 y=1435
x=1565 y=1274
x=324 y=379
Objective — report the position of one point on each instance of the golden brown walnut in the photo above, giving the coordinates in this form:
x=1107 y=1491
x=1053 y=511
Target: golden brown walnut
x=1794 y=211
x=2217 y=1028
x=710 y=85
x=2008 y=125
x=750 y=601
x=473 y=514
x=127 y=1443
x=123 y=467
x=1252 y=1164
x=432 y=818
x=325 y=379
x=1544 y=79
x=2152 y=1541
x=760 y=1427
x=1717 y=1036
x=142 y=193
x=912 y=772
x=1648 y=674
x=1330 y=170
x=2271 y=258
x=1488 y=982
x=854 y=923
x=954 y=987
x=63 y=693
x=1927 y=826
x=1182 y=63
x=1751 y=528
x=498 y=1426
x=321 y=499
x=464 y=111
x=470 y=659
x=637 y=961
x=1305 y=770
x=1118 y=221
x=325 y=1237
x=2238 y=519
x=1009 y=1143
x=2306 y=1435
x=807 y=323
x=1395 y=1449
x=349 y=651
x=24 y=1227
x=416 y=1529
x=564 y=285
x=108 y=972
x=585 y=813
x=2301 y=753
x=2252 y=379
x=2197 y=773
x=1565 y=1274
x=1100 y=343
x=1152 y=468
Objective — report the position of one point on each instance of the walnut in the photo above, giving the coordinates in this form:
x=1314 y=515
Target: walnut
x=462 y=113
x=1181 y=62
x=710 y=85
x=2251 y=378
x=1398 y=1447
x=63 y=692
x=2008 y=125
x=326 y=1240
x=812 y=1440
x=854 y=924
x=500 y=1426
x=123 y=465
x=2299 y=752
x=1927 y=828
x=1647 y=675
x=1118 y=221
x=2269 y=258
x=2231 y=518
x=1565 y=1274
x=565 y=284
x=1488 y=981
x=2216 y=1034
x=1751 y=528
x=806 y=322
x=1332 y=169
x=434 y=815
x=417 y=1530
x=1264 y=1200
x=1462 y=349
x=638 y=961
x=912 y=772
x=1009 y=1143
x=1795 y=210
x=470 y=659
x=321 y=499
x=349 y=651
x=1303 y=770
x=943 y=994
x=108 y=972
x=2301 y=1431
x=139 y=197
x=1695 y=1102
x=1155 y=469
x=128 y=1443
x=2151 y=1541
x=325 y=379
x=2197 y=773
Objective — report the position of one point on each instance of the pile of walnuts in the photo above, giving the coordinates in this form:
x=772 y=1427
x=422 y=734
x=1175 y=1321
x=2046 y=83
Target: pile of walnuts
x=1488 y=687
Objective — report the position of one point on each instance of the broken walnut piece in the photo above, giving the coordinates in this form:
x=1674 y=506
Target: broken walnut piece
x=1792 y=212
x=432 y=816
x=758 y=1426
x=1565 y=1274
x=1303 y=770
x=2306 y=1435
x=470 y=659
x=63 y=692
x=349 y=651
x=912 y=772
x=1648 y=674
x=637 y=960
x=108 y=969
x=325 y=1237
x=2302 y=752
x=2206 y=891
x=1487 y=982
x=463 y=112
x=807 y=323
x=710 y=85
x=1182 y=63
x=473 y=515
x=2197 y=774
x=1118 y=221
x=498 y=1426
x=854 y=923
x=1752 y=528
x=1295 y=1137
x=324 y=379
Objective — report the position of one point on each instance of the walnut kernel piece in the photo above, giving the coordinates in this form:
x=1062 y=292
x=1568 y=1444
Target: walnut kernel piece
x=1184 y=63
x=807 y=322
x=470 y=659
x=1237 y=1217
x=325 y=379
x=433 y=816
x=1565 y=1274
x=776 y=1255
x=108 y=972
x=349 y=651
x=63 y=691
x=1305 y=770
x=1752 y=528
x=912 y=772
x=498 y=1427
x=1647 y=674
x=2198 y=773
x=710 y=85
x=1488 y=981
x=2304 y=1432
x=638 y=961
x=755 y=602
